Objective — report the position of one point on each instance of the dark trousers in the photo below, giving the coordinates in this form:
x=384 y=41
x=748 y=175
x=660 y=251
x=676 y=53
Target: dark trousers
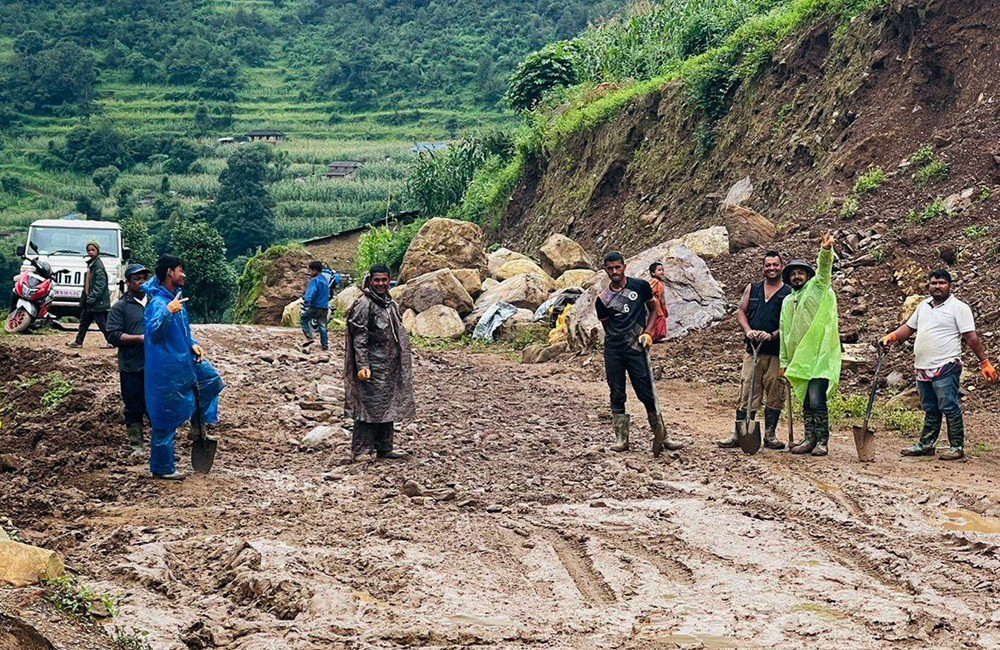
x=371 y=436
x=618 y=362
x=815 y=414
x=86 y=318
x=939 y=400
x=133 y=395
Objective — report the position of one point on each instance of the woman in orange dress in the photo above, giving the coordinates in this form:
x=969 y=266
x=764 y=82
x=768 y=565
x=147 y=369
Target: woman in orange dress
x=656 y=282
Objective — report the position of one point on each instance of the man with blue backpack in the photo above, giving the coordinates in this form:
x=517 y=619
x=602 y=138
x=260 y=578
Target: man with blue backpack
x=316 y=305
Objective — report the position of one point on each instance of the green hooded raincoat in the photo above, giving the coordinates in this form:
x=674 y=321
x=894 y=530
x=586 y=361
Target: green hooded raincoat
x=810 y=339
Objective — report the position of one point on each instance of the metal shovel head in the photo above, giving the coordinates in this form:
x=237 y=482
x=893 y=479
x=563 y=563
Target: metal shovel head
x=203 y=454
x=864 y=440
x=748 y=435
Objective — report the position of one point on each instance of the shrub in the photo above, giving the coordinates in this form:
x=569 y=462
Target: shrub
x=869 y=181
x=10 y=183
x=936 y=170
x=541 y=72
x=976 y=232
x=935 y=208
x=922 y=156
x=849 y=208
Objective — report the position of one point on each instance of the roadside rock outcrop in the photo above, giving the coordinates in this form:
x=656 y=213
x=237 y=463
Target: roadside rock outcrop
x=435 y=288
x=439 y=322
x=746 y=228
x=22 y=565
x=574 y=278
x=444 y=244
x=501 y=256
x=345 y=299
x=559 y=254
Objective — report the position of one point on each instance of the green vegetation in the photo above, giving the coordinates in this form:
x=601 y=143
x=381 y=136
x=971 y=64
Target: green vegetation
x=934 y=209
x=936 y=170
x=59 y=390
x=922 y=156
x=130 y=639
x=250 y=284
x=76 y=600
x=851 y=409
x=976 y=232
x=849 y=208
x=981 y=449
x=870 y=181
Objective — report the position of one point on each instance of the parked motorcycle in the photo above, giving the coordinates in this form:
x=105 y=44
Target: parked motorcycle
x=31 y=298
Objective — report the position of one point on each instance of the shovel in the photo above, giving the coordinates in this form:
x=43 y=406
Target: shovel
x=659 y=433
x=748 y=431
x=864 y=438
x=202 y=449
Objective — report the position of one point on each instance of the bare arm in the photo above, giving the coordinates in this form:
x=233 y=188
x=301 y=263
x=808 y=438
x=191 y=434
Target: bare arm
x=972 y=338
x=741 y=311
x=901 y=333
x=650 y=314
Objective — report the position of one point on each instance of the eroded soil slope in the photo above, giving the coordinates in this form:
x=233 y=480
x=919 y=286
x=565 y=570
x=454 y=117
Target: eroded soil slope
x=523 y=532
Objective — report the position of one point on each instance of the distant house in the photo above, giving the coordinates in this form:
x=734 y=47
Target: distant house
x=339 y=251
x=341 y=169
x=429 y=146
x=226 y=140
x=264 y=136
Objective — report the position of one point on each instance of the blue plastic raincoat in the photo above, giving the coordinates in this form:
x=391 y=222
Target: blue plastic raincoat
x=810 y=337
x=171 y=371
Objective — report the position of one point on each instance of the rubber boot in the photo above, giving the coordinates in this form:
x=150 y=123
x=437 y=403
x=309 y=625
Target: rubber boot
x=771 y=417
x=809 y=440
x=928 y=437
x=135 y=438
x=821 y=425
x=659 y=429
x=621 y=421
x=956 y=438
x=732 y=441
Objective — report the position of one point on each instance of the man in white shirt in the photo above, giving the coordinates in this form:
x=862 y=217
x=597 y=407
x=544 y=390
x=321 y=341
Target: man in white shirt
x=941 y=323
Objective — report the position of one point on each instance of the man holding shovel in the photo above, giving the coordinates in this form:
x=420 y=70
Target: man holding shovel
x=810 y=344
x=941 y=323
x=627 y=310
x=759 y=315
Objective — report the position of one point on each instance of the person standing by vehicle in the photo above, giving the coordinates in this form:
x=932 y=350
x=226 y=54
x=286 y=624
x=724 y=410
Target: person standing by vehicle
x=125 y=331
x=176 y=367
x=759 y=316
x=656 y=277
x=378 y=374
x=316 y=305
x=810 y=344
x=95 y=300
x=941 y=323
x=627 y=311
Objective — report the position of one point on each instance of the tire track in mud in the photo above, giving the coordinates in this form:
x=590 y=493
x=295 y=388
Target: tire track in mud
x=572 y=553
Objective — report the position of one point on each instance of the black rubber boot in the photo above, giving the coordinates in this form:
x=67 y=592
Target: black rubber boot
x=928 y=437
x=621 y=422
x=732 y=441
x=809 y=441
x=659 y=429
x=771 y=417
x=956 y=438
x=135 y=438
x=821 y=426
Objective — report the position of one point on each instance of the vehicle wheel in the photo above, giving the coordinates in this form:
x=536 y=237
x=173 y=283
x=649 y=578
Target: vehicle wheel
x=18 y=321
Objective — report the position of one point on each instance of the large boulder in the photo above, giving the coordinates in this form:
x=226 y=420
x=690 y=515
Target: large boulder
x=693 y=297
x=435 y=288
x=489 y=283
x=439 y=322
x=272 y=279
x=292 y=314
x=517 y=267
x=444 y=244
x=707 y=243
x=470 y=279
x=746 y=228
x=910 y=305
x=345 y=299
x=559 y=254
x=574 y=278
x=501 y=256
x=522 y=324
x=525 y=291
x=22 y=565
x=409 y=318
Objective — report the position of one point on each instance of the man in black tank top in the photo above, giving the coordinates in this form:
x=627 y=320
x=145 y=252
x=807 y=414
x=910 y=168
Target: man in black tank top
x=759 y=315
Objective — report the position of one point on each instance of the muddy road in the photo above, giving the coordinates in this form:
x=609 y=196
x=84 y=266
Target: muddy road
x=510 y=526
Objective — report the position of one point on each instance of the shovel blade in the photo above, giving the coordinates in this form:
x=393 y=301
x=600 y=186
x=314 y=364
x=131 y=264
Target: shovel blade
x=748 y=435
x=203 y=455
x=864 y=440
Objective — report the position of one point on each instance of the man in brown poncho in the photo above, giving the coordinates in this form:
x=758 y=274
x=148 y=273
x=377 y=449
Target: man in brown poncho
x=378 y=377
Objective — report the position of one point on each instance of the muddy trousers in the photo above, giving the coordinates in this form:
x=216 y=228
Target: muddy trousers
x=939 y=400
x=815 y=414
x=133 y=395
x=371 y=436
x=309 y=315
x=86 y=318
x=621 y=361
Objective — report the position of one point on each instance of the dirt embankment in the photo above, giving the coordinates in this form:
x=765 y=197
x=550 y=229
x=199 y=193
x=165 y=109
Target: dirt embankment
x=831 y=105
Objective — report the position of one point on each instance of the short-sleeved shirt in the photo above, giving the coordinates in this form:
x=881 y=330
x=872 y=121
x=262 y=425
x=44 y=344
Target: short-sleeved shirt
x=939 y=332
x=623 y=313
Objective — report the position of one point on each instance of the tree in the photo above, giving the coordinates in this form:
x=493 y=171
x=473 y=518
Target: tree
x=244 y=209
x=552 y=67
x=136 y=235
x=87 y=207
x=202 y=119
x=211 y=281
x=105 y=178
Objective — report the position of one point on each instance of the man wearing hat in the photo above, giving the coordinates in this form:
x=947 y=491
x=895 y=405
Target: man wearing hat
x=125 y=332
x=96 y=297
x=810 y=344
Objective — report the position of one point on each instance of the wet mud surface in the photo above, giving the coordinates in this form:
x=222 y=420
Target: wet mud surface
x=510 y=526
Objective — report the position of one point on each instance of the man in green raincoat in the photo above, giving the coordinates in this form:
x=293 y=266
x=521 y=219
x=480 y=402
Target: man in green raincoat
x=810 y=344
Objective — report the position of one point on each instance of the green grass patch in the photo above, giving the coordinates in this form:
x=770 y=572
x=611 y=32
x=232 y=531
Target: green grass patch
x=935 y=171
x=870 y=181
x=933 y=210
x=78 y=601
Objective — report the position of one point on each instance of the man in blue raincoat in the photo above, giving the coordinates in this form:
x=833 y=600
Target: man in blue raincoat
x=175 y=367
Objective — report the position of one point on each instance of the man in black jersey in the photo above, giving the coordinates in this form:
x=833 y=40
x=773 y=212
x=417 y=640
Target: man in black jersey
x=759 y=315
x=627 y=310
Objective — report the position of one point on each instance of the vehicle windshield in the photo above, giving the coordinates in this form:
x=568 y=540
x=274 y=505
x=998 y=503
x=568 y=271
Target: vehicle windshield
x=52 y=240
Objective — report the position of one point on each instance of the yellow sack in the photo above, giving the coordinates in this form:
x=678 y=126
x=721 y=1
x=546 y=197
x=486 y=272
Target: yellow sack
x=559 y=333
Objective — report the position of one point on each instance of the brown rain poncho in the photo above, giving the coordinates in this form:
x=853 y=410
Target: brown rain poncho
x=376 y=340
